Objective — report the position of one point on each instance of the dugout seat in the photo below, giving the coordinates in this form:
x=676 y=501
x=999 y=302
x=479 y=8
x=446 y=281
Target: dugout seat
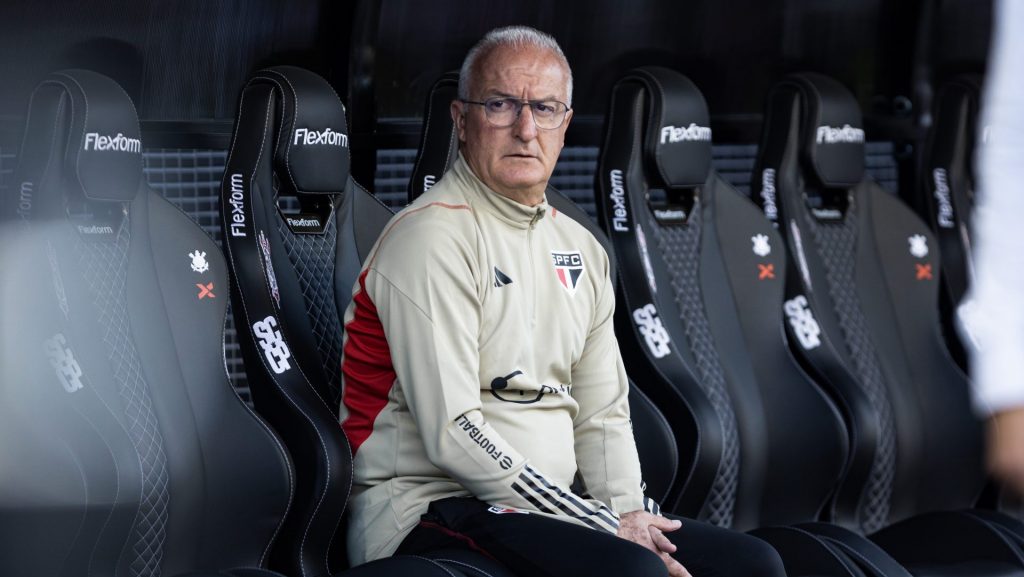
x=297 y=228
x=866 y=270
x=699 y=314
x=947 y=194
x=124 y=449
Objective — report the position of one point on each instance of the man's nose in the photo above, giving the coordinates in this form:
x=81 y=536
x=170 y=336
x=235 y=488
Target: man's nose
x=525 y=128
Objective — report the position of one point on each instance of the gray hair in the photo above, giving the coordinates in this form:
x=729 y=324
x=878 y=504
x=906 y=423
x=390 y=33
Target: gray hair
x=514 y=37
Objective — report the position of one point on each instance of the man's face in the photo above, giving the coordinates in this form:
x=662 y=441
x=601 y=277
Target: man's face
x=515 y=161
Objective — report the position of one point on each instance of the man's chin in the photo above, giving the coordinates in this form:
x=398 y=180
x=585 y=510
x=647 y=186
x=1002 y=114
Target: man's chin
x=522 y=182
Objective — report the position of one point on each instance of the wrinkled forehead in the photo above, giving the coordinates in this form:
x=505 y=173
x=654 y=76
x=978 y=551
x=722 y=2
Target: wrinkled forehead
x=511 y=70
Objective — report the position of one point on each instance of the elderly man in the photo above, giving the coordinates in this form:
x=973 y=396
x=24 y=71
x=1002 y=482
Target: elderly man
x=481 y=371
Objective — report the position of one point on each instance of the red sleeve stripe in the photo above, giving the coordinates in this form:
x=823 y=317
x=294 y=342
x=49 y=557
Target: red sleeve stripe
x=367 y=367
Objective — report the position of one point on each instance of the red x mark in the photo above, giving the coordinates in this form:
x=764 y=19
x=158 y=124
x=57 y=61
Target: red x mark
x=924 y=271
x=765 y=271
x=205 y=290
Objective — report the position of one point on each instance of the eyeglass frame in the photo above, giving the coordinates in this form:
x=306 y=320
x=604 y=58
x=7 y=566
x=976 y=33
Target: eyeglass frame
x=520 y=103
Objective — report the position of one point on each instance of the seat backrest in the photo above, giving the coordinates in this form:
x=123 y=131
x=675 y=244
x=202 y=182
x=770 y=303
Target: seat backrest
x=699 y=314
x=438 y=150
x=125 y=450
x=439 y=144
x=947 y=194
x=948 y=179
x=297 y=229
x=865 y=272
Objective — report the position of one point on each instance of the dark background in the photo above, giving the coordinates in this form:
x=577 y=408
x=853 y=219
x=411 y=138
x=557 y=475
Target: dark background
x=184 y=61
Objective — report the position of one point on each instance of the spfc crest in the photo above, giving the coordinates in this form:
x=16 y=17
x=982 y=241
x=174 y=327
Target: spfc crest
x=568 y=268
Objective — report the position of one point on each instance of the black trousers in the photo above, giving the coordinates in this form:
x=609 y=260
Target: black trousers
x=527 y=545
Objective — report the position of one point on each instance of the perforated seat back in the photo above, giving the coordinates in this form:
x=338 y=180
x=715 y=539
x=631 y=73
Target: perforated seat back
x=700 y=271
x=438 y=150
x=865 y=272
x=136 y=458
x=297 y=229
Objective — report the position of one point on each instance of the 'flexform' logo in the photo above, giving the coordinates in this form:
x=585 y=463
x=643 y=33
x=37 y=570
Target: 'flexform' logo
x=832 y=135
x=327 y=136
x=771 y=209
x=303 y=222
x=944 y=205
x=237 y=202
x=618 y=197
x=24 y=210
x=685 y=133
x=119 y=143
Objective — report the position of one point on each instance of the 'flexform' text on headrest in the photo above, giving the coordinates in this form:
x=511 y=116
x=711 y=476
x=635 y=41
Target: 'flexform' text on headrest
x=831 y=129
x=311 y=146
x=677 y=133
x=102 y=158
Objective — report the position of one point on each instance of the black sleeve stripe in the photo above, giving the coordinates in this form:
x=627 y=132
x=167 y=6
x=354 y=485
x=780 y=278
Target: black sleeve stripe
x=560 y=500
x=651 y=506
x=545 y=506
x=608 y=515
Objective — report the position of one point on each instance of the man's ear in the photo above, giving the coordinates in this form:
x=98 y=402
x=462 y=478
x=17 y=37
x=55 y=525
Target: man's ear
x=564 y=127
x=458 y=110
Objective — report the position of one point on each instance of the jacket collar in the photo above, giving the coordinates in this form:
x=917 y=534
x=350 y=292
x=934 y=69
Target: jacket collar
x=483 y=197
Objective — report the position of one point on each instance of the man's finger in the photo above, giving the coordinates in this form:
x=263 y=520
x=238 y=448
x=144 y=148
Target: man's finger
x=675 y=568
x=665 y=524
x=661 y=541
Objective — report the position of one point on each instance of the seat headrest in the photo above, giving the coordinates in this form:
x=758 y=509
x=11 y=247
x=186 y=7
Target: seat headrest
x=103 y=156
x=677 y=133
x=439 y=145
x=311 y=150
x=831 y=129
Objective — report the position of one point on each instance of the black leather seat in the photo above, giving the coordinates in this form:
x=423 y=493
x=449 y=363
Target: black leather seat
x=297 y=229
x=699 y=314
x=866 y=270
x=700 y=301
x=659 y=456
x=124 y=450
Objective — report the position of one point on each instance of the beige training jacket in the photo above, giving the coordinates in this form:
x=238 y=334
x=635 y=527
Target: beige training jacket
x=480 y=358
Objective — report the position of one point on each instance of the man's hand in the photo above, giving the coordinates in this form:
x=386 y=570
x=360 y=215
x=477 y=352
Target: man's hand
x=1005 y=448
x=649 y=531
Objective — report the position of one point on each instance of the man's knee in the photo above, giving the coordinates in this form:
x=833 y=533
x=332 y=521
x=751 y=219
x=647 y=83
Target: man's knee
x=630 y=560
x=759 y=559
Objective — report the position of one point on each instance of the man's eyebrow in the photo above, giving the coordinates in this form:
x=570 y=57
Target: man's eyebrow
x=499 y=94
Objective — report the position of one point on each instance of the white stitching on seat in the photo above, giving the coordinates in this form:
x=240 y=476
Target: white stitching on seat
x=284 y=392
x=273 y=435
x=295 y=117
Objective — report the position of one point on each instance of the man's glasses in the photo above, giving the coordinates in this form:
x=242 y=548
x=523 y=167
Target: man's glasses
x=502 y=112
